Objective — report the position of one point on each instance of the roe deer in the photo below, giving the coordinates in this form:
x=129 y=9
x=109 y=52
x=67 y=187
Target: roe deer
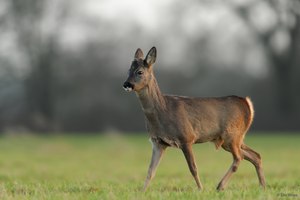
x=178 y=121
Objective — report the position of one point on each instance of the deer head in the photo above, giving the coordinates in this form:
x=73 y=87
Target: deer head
x=140 y=72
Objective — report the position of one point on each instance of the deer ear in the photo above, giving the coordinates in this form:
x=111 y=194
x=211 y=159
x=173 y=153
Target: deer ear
x=151 y=56
x=139 y=54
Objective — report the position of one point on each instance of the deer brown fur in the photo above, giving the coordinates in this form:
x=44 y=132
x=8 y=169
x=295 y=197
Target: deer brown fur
x=178 y=121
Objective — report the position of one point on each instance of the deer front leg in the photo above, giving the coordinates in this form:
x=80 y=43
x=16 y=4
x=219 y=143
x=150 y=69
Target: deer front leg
x=189 y=156
x=157 y=151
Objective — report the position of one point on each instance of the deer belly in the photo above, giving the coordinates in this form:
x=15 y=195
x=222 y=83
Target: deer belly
x=166 y=141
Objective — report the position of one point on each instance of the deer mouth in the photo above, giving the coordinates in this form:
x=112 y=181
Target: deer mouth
x=128 y=87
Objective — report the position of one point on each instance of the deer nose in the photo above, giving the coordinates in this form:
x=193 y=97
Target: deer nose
x=128 y=86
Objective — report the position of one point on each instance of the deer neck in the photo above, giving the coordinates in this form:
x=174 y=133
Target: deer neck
x=151 y=98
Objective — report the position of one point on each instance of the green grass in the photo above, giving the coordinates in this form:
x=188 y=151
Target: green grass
x=114 y=167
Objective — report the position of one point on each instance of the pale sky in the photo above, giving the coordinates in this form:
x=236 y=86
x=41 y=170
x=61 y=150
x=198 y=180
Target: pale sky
x=172 y=33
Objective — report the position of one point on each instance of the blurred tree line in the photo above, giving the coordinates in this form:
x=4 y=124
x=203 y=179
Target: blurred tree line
x=62 y=68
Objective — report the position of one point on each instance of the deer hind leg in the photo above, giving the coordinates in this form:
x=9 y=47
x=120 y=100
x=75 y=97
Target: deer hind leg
x=157 y=152
x=218 y=142
x=255 y=159
x=189 y=156
x=235 y=149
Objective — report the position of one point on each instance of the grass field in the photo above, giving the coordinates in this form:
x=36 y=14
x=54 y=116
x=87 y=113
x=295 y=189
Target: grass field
x=115 y=166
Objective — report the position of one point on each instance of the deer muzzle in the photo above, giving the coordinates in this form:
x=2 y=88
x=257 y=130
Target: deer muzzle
x=128 y=87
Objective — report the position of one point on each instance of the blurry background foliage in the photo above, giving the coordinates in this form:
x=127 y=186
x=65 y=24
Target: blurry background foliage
x=63 y=62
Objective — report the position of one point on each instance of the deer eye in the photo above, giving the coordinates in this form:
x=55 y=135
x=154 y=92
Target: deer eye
x=140 y=72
